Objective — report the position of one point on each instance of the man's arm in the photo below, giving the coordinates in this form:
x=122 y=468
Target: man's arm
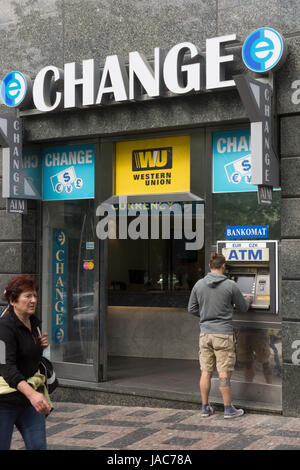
x=193 y=306
x=242 y=304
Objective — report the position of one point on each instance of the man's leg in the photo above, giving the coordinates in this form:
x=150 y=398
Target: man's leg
x=249 y=370
x=225 y=358
x=205 y=384
x=268 y=372
x=224 y=386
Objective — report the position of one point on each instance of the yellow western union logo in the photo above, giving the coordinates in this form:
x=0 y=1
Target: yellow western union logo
x=152 y=159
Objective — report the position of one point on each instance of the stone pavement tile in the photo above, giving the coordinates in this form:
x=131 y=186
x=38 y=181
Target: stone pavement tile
x=64 y=409
x=92 y=444
x=63 y=446
x=273 y=443
x=166 y=415
x=263 y=443
x=286 y=447
x=58 y=428
x=292 y=424
x=285 y=433
x=88 y=434
x=81 y=426
x=118 y=438
x=239 y=442
x=257 y=431
x=177 y=417
x=98 y=413
x=114 y=422
x=140 y=414
x=131 y=439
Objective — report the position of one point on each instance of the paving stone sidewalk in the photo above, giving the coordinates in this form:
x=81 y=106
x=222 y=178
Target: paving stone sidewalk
x=73 y=426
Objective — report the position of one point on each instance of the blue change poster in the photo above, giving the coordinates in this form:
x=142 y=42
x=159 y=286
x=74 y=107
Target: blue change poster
x=59 y=286
x=69 y=172
x=232 y=161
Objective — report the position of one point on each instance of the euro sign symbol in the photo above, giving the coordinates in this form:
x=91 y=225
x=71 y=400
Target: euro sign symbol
x=66 y=177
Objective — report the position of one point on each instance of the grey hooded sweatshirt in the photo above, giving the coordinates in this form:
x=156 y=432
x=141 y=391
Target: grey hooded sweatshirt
x=212 y=299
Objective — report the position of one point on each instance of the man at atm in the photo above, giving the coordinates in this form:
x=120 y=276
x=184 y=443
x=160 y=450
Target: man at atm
x=212 y=299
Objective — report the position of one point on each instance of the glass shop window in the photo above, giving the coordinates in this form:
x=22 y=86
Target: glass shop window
x=153 y=272
x=68 y=279
x=243 y=209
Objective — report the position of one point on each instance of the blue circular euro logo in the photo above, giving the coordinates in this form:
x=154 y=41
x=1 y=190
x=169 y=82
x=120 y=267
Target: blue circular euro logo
x=263 y=50
x=13 y=89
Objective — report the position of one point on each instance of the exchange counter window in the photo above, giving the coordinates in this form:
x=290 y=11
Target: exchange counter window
x=243 y=209
x=153 y=272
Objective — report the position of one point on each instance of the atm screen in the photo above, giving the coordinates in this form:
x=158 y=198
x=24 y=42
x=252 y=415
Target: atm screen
x=245 y=284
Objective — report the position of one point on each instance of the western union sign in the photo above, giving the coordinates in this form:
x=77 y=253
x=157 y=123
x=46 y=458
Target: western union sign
x=153 y=166
x=151 y=159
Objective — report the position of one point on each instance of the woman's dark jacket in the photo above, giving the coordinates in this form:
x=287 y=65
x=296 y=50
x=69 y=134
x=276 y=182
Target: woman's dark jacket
x=23 y=353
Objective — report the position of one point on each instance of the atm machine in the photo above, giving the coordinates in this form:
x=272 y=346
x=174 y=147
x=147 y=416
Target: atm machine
x=253 y=265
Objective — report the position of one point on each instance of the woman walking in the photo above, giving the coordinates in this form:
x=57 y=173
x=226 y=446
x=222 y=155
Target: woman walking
x=24 y=401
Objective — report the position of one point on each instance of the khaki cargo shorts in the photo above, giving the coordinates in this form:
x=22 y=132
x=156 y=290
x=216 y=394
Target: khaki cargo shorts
x=216 y=351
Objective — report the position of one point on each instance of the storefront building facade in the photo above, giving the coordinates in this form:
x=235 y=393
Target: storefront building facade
x=118 y=305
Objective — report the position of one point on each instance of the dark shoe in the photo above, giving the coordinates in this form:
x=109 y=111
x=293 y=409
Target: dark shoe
x=207 y=410
x=232 y=412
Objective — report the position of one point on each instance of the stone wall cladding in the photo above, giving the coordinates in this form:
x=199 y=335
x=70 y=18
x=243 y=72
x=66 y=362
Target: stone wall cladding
x=290 y=254
x=44 y=32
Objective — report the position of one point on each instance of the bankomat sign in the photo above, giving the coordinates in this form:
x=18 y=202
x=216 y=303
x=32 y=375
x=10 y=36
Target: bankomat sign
x=181 y=70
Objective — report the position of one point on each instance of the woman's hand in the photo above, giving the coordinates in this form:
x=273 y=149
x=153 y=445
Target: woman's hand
x=40 y=403
x=37 y=399
x=44 y=340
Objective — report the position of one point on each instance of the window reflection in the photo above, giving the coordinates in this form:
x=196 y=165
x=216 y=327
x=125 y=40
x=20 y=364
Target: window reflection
x=75 y=219
x=259 y=355
x=152 y=267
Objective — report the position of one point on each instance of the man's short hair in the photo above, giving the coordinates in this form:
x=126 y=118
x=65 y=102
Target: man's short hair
x=216 y=261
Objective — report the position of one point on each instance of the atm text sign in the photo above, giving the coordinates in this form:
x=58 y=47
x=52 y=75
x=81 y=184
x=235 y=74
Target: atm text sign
x=246 y=254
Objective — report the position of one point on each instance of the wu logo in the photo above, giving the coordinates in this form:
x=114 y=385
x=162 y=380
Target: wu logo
x=152 y=159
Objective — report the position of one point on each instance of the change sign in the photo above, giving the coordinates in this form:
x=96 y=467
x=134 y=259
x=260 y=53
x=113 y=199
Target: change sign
x=232 y=161
x=257 y=99
x=68 y=172
x=16 y=182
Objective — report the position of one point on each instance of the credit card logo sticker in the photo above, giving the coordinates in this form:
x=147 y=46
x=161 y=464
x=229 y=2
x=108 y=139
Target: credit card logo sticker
x=263 y=50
